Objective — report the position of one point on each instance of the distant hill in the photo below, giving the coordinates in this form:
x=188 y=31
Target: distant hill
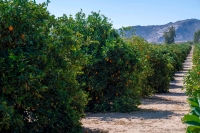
x=154 y=33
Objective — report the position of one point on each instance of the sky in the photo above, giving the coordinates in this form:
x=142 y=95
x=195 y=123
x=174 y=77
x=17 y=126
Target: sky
x=130 y=12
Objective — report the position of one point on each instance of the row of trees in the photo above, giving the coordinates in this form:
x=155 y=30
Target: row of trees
x=192 y=87
x=51 y=68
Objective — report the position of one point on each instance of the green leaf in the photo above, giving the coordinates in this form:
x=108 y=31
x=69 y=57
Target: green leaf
x=198 y=97
x=191 y=120
x=193 y=129
x=197 y=110
x=193 y=102
x=196 y=92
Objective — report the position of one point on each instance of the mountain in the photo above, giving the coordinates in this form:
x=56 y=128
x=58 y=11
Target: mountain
x=154 y=33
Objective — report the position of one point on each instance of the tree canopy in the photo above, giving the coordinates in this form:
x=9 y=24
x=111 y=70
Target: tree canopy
x=169 y=35
x=197 y=36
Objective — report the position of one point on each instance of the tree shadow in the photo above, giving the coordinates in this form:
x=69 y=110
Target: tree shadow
x=170 y=94
x=141 y=114
x=187 y=68
x=174 y=94
x=162 y=100
x=95 y=130
x=181 y=73
x=175 y=86
x=178 y=75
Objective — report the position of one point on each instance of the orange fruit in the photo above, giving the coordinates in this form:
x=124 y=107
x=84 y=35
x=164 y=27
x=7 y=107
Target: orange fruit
x=10 y=28
x=198 y=73
x=147 y=56
x=23 y=36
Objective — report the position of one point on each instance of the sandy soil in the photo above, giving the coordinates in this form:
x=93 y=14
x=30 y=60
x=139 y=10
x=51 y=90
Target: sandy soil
x=161 y=113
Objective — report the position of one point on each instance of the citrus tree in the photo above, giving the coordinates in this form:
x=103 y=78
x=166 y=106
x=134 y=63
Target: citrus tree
x=40 y=58
x=109 y=75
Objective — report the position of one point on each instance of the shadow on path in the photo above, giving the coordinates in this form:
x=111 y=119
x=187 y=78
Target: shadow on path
x=174 y=86
x=162 y=100
x=141 y=114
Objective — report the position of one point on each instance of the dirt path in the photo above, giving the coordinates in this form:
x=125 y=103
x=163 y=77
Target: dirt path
x=161 y=113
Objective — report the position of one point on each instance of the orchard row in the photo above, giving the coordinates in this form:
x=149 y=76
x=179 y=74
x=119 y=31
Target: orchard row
x=126 y=71
x=52 y=70
x=192 y=86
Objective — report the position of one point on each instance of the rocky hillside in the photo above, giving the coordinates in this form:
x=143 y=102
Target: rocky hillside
x=154 y=33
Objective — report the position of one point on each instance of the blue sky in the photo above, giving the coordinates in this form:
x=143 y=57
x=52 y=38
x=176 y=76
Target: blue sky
x=130 y=12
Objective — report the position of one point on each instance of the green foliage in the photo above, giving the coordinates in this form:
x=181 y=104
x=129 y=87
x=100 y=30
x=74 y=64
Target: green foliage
x=197 y=36
x=38 y=88
x=192 y=119
x=196 y=55
x=161 y=76
x=45 y=61
x=192 y=87
x=109 y=74
x=169 y=35
x=121 y=71
x=192 y=80
x=165 y=61
x=124 y=32
x=143 y=50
